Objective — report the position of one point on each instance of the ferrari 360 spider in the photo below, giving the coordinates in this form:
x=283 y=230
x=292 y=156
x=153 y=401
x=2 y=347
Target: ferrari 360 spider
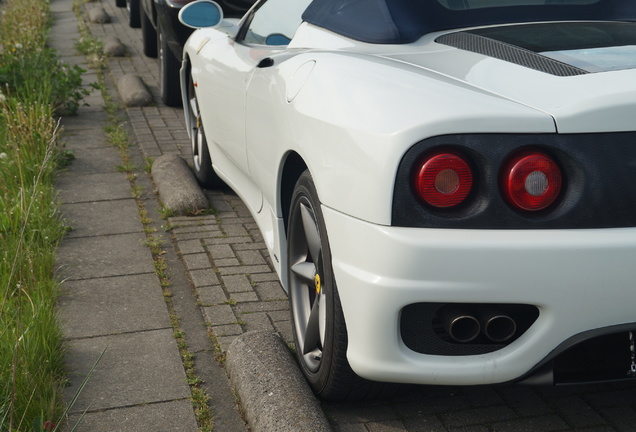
x=447 y=188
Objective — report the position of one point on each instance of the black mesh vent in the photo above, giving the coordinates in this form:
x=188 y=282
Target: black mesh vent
x=510 y=53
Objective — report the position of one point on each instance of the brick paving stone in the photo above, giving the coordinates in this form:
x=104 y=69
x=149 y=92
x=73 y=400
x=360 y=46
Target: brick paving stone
x=241 y=297
x=277 y=316
x=198 y=229
x=359 y=412
x=190 y=220
x=256 y=321
x=612 y=398
x=576 y=412
x=228 y=330
x=473 y=429
x=190 y=246
x=234 y=230
x=478 y=416
x=265 y=277
x=426 y=407
x=387 y=426
x=622 y=417
x=237 y=283
x=525 y=401
x=221 y=251
x=211 y=295
x=599 y=429
x=204 y=277
x=262 y=306
x=482 y=396
x=197 y=235
x=284 y=329
x=236 y=220
x=227 y=240
x=219 y=315
x=250 y=246
x=225 y=271
x=227 y=215
x=350 y=427
x=257 y=236
x=270 y=291
x=424 y=423
x=544 y=424
x=196 y=261
x=227 y=262
x=250 y=257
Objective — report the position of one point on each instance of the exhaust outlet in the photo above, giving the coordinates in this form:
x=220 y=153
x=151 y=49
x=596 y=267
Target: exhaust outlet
x=497 y=326
x=461 y=326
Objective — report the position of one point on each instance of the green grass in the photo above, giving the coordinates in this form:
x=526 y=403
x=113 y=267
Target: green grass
x=34 y=87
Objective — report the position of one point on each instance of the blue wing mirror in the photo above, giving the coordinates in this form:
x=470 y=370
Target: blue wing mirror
x=200 y=14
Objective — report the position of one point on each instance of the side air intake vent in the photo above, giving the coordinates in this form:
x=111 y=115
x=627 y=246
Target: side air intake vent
x=510 y=53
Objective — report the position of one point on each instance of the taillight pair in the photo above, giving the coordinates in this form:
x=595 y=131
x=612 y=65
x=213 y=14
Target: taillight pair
x=529 y=180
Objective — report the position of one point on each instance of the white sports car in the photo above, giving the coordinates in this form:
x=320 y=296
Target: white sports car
x=447 y=188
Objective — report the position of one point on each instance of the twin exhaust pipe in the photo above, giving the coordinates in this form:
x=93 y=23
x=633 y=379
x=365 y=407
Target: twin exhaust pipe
x=465 y=326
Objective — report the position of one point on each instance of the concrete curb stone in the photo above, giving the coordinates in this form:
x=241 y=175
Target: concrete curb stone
x=98 y=15
x=177 y=187
x=113 y=47
x=133 y=91
x=274 y=395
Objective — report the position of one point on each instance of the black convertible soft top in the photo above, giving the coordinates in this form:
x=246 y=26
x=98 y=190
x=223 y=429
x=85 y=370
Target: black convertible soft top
x=405 y=21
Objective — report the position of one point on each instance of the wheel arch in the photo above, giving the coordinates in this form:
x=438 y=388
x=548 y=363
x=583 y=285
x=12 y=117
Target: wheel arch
x=293 y=167
x=186 y=68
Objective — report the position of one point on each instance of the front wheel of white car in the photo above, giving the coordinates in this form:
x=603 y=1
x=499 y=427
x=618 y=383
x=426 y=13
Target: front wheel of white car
x=201 y=161
x=318 y=324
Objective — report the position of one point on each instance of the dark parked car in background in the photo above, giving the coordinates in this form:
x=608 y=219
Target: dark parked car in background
x=164 y=36
x=134 y=16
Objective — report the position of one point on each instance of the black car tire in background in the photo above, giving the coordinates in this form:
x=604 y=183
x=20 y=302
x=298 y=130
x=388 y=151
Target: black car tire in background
x=148 y=35
x=169 y=66
x=120 y=3
x=134 y=18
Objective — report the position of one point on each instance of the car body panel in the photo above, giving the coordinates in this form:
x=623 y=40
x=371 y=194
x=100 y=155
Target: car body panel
x=564 y=272
x=349 y=112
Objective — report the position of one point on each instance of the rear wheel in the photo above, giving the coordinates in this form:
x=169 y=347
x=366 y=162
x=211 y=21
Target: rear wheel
x=320 y=334
x=134 y=19
x=148 y=35
x=201 y=160
x=168 y=72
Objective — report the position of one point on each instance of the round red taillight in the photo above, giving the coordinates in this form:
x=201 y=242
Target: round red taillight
x=443 y=180
x=531 y=181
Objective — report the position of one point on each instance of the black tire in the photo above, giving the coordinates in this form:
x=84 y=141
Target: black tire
x=169 y=65
x=318 y=325
x=134 y=18
x=201 y=161
x=148 y=35
x=120 y=3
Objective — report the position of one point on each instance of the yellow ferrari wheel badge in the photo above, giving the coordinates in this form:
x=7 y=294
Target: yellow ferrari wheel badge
x=317 y=283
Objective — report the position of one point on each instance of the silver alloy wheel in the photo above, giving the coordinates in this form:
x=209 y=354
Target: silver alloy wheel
x=197 y=138
x=308 y=296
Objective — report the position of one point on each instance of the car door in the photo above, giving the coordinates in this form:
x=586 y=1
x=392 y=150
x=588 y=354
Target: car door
x=230 y=65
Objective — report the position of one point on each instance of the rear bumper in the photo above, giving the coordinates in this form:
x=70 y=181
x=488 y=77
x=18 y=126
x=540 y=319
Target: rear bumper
x=580 y=281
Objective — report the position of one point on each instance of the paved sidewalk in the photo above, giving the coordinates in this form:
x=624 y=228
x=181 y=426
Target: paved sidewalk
x=112 y=301
x=222 y=284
